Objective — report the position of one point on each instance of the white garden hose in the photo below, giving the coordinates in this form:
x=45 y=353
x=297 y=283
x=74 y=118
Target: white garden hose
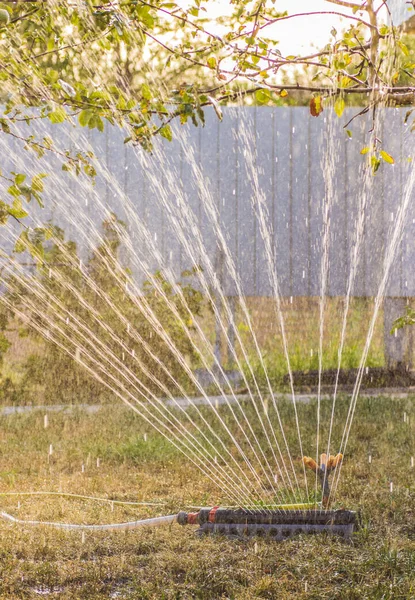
x=155 y=522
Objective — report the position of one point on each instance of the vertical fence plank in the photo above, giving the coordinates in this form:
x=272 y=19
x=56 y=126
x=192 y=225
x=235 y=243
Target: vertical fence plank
x=299 y=201
x=282 y=224
x=265 y=158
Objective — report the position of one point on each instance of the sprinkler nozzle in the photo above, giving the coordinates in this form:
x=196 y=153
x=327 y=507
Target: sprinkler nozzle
x=327 y=465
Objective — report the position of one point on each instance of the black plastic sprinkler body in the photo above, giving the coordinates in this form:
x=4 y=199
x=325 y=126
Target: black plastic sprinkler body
x=275 y=524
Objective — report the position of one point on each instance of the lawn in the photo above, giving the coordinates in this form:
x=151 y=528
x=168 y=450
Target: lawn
x=136 y=464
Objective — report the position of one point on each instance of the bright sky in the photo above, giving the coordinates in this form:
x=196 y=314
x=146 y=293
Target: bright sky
x=301 y=34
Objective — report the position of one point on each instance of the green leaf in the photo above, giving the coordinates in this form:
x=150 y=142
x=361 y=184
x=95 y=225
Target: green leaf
x=4 y=17
x=21 y=243
x=387 y=157
x=84 y=117
x=146 y=92
x=16 y=210
x=404 y=48
x=349 y=133
x=90 y=170
x=339 y=106
x=57 y=116
x=365 y=150
x=14 y=191
x=375 y=163
x=37 y=183
x=262 y=96
x=20 y=177
x=166 y=132
x=211 y=62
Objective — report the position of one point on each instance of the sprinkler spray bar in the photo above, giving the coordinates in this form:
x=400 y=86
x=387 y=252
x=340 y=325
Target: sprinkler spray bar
x=276 y=524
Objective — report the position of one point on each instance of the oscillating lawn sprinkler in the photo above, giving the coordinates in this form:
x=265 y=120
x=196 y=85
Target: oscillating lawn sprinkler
x=280 y=522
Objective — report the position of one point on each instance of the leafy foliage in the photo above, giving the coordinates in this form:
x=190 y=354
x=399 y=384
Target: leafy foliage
x=407 y=319
x=142 y=65
x=93 y=296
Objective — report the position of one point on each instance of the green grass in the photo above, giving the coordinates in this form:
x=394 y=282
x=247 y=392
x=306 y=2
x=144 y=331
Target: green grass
x=171 y=563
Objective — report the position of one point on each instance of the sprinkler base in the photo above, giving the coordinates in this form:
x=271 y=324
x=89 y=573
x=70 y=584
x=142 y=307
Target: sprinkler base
x=272 y=524
x=274 y=532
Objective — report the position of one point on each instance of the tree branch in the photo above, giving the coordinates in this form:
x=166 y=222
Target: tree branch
x=347 y=4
